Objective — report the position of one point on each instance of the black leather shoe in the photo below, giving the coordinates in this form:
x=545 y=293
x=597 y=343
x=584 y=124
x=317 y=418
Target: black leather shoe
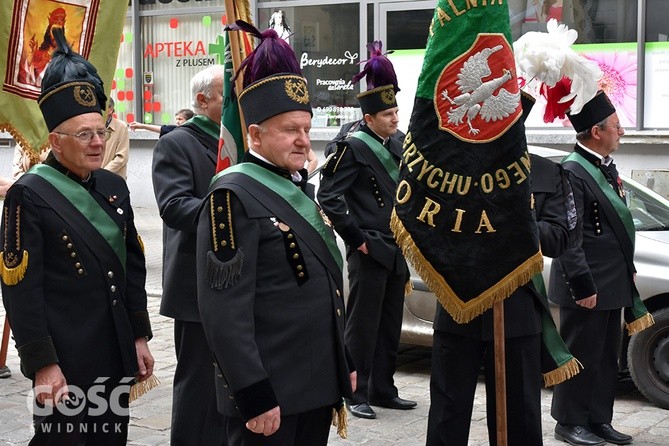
x=394 y=403
x=577 y=435
x=362 y=410
x=608 y=433
x=5 y=372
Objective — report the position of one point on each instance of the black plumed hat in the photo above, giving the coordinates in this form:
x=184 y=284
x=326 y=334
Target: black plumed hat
x=381 y=79
x=593 y=112
x=71 y=86
x=272 y=79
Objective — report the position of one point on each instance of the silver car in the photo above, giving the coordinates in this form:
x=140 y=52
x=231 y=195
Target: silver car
x=647 y=354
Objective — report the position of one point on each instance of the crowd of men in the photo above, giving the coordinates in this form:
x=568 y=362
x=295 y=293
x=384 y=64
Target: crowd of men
x=267 y=350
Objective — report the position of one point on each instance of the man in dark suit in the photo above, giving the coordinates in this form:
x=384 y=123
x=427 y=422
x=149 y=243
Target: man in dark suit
x=73 y=271
x=593 y=281
x=269 y=277
x=357 y=190
x=459 y=349
x=184 y=161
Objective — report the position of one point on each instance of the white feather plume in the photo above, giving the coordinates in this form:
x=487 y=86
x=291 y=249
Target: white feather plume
x=548 y=57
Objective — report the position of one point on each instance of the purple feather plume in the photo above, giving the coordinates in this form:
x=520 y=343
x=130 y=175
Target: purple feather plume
x=273 y=55
x=378 y=69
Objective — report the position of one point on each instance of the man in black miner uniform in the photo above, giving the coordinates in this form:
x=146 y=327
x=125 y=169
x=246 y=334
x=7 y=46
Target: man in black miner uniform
x=593 y=281
x=356 y=192
x=73 y=271
x=184 y=161
x=349 y=129
x=459 y=349
x=269 y=275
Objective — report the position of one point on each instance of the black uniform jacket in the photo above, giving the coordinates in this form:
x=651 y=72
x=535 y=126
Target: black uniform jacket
x=184 y=162
x=276 y=327
x=356 y=196
x=75 y=306
x=600 y=264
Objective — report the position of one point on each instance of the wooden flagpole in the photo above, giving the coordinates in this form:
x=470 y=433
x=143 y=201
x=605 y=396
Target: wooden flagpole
x=500 y=373
x=5 y=343
x=233 y=14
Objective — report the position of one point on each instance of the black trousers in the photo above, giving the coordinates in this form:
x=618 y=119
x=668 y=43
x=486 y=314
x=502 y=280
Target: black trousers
x=373 y=326
x=594 y=338
x=195 y=418
x=97 y=415
x=304 y=429
x=456 y=363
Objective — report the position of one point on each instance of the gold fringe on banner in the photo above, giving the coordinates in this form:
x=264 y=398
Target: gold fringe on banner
x=12 y=276
x=33 y=152
x=462 y=312
x=640 y=324
x=141 y=388
x=340 y=421
x=567 y=370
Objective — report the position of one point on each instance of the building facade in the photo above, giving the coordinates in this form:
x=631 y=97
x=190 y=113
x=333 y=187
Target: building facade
x=166 y=41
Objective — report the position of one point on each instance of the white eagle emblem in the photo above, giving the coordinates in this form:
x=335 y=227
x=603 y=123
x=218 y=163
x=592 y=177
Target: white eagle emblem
x=477 y=97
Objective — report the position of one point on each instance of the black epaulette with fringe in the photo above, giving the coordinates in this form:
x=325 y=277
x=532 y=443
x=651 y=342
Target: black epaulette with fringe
x=224 y=259
x=14 y=257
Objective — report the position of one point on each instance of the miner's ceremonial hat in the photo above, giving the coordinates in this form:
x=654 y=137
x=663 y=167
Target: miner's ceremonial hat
x=71 y=86
x=272 y=78
x=593 y=112
x=381 y=81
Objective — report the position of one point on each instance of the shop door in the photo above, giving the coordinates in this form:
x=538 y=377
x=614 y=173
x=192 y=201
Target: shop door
x=404 y=27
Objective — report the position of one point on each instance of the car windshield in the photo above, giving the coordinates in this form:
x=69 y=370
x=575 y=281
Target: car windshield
x=650 y=211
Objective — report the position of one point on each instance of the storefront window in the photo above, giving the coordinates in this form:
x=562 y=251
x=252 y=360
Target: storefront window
x=606 y=35
x=326 y=40
x=656 y=88
x=152 y=5
x=123 y=88
x=174 y=48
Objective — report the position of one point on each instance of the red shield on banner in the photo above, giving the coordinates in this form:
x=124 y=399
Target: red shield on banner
x=477 y=97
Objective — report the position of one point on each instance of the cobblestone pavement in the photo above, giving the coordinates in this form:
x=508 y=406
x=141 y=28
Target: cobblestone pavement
x=150 y=415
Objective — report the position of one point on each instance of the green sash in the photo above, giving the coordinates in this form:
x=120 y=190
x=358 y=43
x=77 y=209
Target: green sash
x=636 y=317
x=88 y=207
x=206 y=125
x=557 y=362
x=622 y=210
x=293 y=196
x=381 y=153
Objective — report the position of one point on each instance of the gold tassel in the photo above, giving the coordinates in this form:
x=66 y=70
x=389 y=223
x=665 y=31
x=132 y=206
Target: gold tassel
x=12 y=276
x=141 y=242
x=141 y=388
x=462 y=312
x=640 y=324
x=408 y=287
x=567 y=370
x=340 y=421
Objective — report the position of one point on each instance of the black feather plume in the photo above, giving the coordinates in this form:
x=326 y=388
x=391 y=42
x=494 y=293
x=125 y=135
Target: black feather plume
x=273 y=55
x=66 y=66
x=378 y=69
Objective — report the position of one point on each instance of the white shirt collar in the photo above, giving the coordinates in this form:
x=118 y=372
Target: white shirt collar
x=606 y=160
x=296 y=176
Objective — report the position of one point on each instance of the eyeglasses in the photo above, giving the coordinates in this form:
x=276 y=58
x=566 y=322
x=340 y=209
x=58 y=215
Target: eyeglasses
x=618 y=127
x=87 y=135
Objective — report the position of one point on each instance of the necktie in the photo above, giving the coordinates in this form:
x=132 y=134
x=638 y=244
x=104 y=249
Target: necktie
x=613 y=178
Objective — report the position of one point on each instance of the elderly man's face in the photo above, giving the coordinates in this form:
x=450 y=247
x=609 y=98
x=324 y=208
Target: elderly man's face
x=212 y=106
x=283 y=139
x=75 y=153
